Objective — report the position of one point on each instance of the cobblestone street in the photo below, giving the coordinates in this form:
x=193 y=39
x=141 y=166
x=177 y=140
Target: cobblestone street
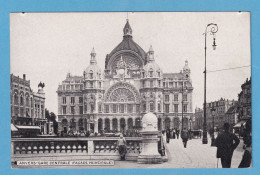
x=196 y=155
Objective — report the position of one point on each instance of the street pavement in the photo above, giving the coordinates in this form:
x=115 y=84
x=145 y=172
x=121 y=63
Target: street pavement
x=196 y=155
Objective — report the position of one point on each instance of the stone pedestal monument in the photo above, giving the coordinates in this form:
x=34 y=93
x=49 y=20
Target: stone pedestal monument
x=149 y=133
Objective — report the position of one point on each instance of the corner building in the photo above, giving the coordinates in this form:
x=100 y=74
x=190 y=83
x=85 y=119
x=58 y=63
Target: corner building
x=131 y=85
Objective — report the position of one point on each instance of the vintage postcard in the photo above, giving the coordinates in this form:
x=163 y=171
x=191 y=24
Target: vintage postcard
x=126 y=90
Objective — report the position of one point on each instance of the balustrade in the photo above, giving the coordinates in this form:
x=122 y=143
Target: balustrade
x=91 y=146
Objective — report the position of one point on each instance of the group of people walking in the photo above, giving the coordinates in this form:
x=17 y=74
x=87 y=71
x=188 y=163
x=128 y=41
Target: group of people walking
x=226 y=142
x=176 y=133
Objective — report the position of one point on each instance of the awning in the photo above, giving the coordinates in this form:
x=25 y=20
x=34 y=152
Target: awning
x=13 y=128
x=239 y=124
x=28 y=127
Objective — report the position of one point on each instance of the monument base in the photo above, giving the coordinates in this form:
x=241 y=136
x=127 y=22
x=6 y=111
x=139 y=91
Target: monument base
x=149 y=159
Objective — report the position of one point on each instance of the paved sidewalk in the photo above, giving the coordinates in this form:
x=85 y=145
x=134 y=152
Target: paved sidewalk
x=196 y=155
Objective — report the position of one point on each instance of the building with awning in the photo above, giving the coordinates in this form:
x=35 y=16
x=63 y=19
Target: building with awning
x=13 y=128
x=240 y=124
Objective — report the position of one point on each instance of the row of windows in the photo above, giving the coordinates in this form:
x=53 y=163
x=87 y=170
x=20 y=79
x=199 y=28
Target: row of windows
x=27 y=101
x=91 y=84
x=167 y=107
x=167 y=97
x=72 y=87
x=72 y=100
x=72 y=110
x=26 y=113
x=122 y=108
x=151 y=74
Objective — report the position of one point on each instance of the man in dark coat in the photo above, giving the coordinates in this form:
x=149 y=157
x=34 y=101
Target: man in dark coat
x=177 y=133
x=168 y=135
x=226 y=143
x=184 y=136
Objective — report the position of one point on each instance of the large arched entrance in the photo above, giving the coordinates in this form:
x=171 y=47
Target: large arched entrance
x=64 y=123
x=100 y=124
x=185 y=123
x=176 y=122
x=138 y=123
x=130 y=123
x=107 y=125
x=80 y=124
x=167 y=123
x=122 y=124
x=115 y=124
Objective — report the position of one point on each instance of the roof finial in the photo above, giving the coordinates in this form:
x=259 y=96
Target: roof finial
x=93 y=57
x=126 y=16
x=151 y=54
x=127 y=28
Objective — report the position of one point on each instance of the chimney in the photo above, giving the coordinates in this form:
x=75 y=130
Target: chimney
x=24 y=76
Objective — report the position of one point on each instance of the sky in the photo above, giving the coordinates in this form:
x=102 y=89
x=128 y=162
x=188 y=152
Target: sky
x=46 y=46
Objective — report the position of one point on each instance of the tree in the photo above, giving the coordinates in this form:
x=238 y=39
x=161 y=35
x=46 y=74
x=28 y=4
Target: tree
x=50 y=116
x=55 y=123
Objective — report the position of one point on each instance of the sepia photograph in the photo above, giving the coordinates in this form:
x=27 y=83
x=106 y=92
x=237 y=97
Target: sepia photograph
x=130 y=90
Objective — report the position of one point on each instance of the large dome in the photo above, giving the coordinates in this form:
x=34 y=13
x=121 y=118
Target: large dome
x=152 y=69
x=93 y=71
x=127 y=45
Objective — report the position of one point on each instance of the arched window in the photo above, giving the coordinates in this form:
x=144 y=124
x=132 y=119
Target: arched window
x=27 y=101
x=151 y=107
x=159 y=106
x=21 y=100
x=151 y=72
x=91 y=75
x=15 y=99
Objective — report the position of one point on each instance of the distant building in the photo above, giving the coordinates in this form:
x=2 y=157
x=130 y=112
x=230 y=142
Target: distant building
x=232 y=115
x=198 y=115
x=131 y=85
x=244 y=108
x=27 y=107
x=220 y=106
x=244 y=102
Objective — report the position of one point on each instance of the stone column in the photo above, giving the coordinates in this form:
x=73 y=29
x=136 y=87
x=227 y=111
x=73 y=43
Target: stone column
x=126 y=123
x=118 y=124
x=95 y=126
x=111 y=126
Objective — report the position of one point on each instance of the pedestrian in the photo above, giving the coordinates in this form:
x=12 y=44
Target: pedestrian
x=173 y=134
x=121 y=143
x=247 y=156
x=168 y=135
x=184 y=136
x=226 y=146
x=177 y=133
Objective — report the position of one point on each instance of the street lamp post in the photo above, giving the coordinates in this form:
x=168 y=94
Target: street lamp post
x=212 y=31
x=182 y=90
x=213 y=136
